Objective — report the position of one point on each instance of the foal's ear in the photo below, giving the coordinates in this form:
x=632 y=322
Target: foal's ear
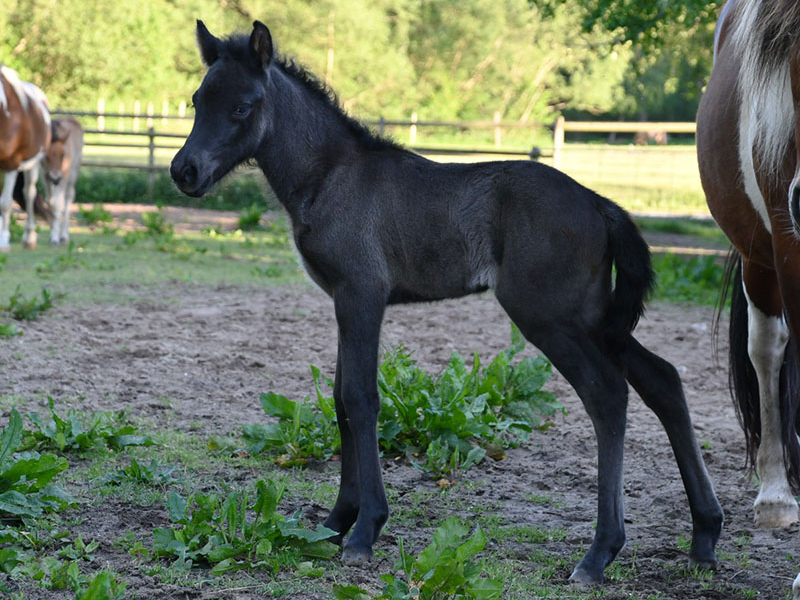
x=261 y=43
x=209 y=45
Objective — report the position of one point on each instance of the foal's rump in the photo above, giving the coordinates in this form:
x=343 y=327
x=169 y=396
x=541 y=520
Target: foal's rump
x=565 y=238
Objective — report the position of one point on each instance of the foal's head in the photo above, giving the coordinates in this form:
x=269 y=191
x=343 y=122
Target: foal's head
x=56 y=154
x=231 y=116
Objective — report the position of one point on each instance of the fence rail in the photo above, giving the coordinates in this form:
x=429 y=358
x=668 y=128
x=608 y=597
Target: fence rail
x=559 y=128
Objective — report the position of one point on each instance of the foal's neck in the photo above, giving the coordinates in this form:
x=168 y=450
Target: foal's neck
x=308 y=137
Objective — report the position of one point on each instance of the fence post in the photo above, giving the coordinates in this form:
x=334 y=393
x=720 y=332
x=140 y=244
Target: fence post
x=151 y=160
x=381 y=125
x=412 y=133
x=498 y=131
x=558 y=141
x=137 y=108
x=101 y=120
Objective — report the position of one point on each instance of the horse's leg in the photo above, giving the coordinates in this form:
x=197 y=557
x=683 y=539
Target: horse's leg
x=659 y=385
x=604 y=393
x=69 y=198
x=345 y=511
x=767 y=336
x=358 y=315
x=796 y=588
x=60 y=214
x=9 y=180
x=30 y=175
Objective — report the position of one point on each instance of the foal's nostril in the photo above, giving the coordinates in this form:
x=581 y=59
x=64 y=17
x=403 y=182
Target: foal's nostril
x=189 y=174
x=183 y=172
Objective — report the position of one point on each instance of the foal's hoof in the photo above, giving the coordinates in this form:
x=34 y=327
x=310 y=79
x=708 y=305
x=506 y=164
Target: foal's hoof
x=356 y=556
x=704 y=564
x=775 y=514
x=581 y=577
x=29 y=245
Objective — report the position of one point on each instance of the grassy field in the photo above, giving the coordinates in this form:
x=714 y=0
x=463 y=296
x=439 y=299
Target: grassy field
x=93 y=270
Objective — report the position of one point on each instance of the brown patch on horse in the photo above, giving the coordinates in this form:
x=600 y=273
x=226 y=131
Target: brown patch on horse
x=23 y=129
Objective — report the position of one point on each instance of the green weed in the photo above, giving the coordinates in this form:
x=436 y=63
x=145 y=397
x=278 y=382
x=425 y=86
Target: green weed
x=443 y=569
x=22 y=308
x=153 y=474
x=231 y=533
x=62 y=262
x=301 y=431
x=25 y=477
x=76 y=432
x=9 y=330
x=451 y=422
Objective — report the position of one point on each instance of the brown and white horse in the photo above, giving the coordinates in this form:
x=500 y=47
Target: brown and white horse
x=748 y=148
x=24 y=138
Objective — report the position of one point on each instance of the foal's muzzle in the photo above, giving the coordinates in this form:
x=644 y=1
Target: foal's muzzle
x=186 y=175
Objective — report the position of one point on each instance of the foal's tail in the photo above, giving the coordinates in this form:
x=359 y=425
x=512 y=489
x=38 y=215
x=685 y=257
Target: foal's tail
x=744 y=383
x=634 y=280
x=40 y=207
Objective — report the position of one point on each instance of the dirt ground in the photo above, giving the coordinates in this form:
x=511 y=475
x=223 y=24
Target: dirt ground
x=212 y=351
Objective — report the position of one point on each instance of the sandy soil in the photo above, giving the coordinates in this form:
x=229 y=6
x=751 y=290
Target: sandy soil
x=197 y=358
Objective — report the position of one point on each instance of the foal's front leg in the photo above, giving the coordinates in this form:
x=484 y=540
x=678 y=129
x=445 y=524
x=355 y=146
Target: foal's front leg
x=29 y=192
x=361 y=495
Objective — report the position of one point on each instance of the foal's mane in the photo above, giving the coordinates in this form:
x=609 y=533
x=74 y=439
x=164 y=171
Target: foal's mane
x=237 y=47
x=765 y=34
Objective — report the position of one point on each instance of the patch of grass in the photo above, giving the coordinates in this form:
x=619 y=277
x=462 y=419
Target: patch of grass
x=94 y=215
x=704 y=228
x=250 y=217
x=696 y=280
x=103 y=186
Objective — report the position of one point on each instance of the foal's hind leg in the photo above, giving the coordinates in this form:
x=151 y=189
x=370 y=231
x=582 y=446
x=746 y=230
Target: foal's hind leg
x=659 y=385
x=604 y=393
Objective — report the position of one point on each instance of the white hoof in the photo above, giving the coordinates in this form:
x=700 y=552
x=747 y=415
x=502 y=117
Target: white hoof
x=776 y=514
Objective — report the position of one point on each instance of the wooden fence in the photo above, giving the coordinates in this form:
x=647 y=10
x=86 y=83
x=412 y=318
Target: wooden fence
x=153 y=136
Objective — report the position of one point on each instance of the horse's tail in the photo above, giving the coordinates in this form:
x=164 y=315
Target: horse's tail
x=634 y=279
x=40 y=207
x=744 y=382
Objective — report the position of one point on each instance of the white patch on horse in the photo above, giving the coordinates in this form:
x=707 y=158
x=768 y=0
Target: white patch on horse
x=40 y=98
x=765 y=93
x=747 y=167
x=766 y=343
x=17 y=85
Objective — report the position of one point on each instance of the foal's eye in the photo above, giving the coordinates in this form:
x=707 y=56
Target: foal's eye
x=241 y=110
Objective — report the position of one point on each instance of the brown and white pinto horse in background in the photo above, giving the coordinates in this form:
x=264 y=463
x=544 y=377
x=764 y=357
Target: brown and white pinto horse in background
x=24 y=138
x=748 y=148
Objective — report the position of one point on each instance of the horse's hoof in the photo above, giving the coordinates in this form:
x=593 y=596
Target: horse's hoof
x=775 y=514
x=581 y=577
x=5 y=249
x=29 y=245
x=356 y=556
x=704 y=564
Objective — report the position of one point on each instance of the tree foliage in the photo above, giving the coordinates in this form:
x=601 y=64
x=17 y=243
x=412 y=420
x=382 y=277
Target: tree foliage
x=526 y=59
